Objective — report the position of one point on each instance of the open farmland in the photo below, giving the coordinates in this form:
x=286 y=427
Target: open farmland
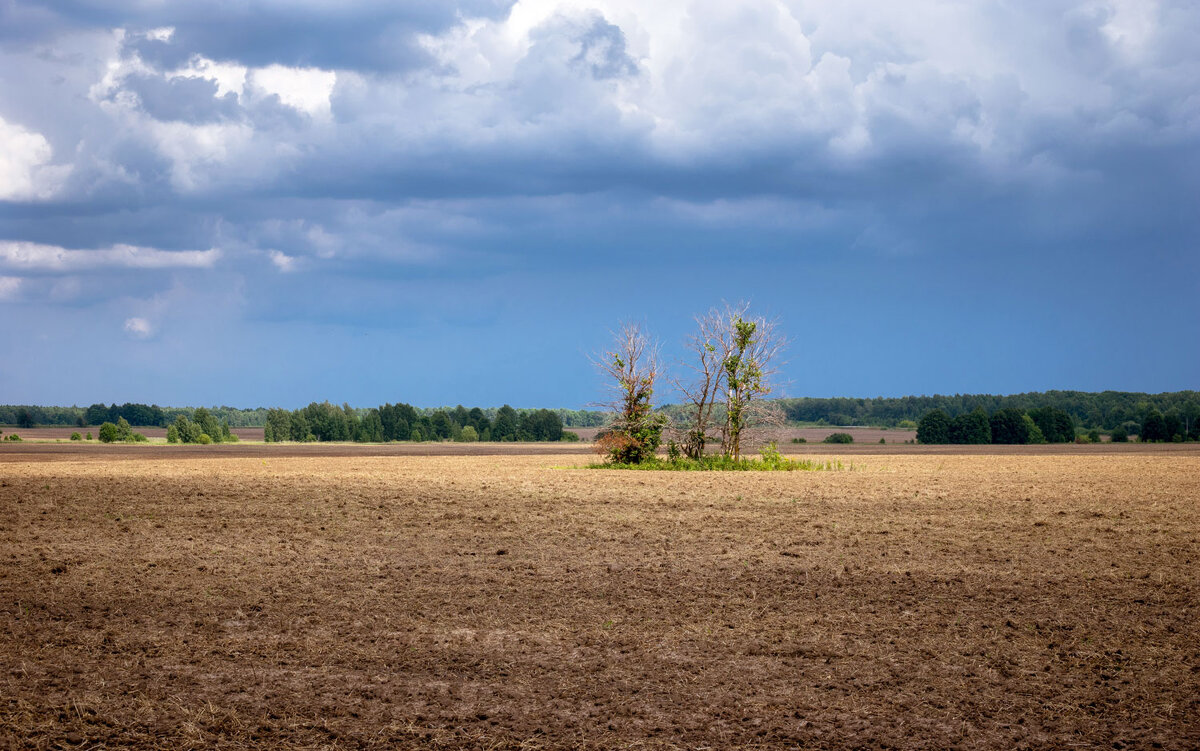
x=263 y=596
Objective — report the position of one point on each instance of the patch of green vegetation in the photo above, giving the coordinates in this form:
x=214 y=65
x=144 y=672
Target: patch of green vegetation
x=770 y=461
x=839 y=438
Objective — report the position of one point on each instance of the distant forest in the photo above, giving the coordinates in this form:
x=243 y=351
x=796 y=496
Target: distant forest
x=403 y=422
x=143 y=415
x=1103 y=410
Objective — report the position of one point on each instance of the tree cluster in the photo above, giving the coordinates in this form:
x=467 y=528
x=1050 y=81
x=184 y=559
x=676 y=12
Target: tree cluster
x=403 y=422
x=733 y=357
x=202 y=427
x=120 y=431
x=1007 y=425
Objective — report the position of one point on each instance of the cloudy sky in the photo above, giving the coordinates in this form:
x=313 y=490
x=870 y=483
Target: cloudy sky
x=269 y=203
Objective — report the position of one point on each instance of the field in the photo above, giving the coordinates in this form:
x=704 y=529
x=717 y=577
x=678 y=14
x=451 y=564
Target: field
x=365 y=597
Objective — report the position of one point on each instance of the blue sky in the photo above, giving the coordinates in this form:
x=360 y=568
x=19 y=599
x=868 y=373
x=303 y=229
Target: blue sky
x=277 y=202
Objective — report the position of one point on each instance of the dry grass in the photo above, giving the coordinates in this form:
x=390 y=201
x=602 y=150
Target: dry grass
x=922 y=601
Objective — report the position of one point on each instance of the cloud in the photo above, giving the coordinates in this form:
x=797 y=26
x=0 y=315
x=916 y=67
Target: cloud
x=139 y=328
x=282 y=261
x=24 y=170
x=38 y=257
x=9 y=287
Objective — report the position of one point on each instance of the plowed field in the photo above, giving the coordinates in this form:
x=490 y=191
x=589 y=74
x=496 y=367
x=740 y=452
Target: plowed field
x=358 y=601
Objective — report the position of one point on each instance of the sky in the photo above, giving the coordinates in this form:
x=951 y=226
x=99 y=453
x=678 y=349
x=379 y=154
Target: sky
x=270 y=203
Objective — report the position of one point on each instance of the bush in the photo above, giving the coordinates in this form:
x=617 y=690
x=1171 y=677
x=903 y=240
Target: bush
x=12 y=437
x=1120 y=435
x=204 y=439
x=1094 y=435
x=570 y=436
x=469 y=435
x=801 y=439
x=881 y=440
x=839 y=438
x=76 y=437
x=172 y=434
x=89 y=435
x=906 y=425
x=109 y=433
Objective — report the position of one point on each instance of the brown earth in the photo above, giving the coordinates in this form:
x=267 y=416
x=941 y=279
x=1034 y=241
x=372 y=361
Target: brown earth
x=921 y=600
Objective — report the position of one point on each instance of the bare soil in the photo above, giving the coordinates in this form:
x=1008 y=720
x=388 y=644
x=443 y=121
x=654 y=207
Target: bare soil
x=256 y=597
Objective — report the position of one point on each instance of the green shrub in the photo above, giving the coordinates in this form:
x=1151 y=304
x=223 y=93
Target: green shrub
x=469 y=435
x=839 y=438
x=109 y=433
x=172 y=434
x=1120 y=435
x=76 y=437
x=204 y=439
x=801 y=439
x=89 y=435
x=1094 y=435
x=12 y=437
x=881 y=440
x=906 y=425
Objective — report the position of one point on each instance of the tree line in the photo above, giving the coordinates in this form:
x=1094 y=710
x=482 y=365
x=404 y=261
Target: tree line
x=1008 y=425
x=1104 y=410
x=1045 y=425
x=403 y=422
x=154 y=416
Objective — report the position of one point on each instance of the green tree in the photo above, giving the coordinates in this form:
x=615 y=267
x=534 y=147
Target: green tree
x=469 y=434
x=370 y=430
x=24 y=418
x=631 y=368
x=934 y=427
x=972 y=428
x=1009 y=426
x=504 y=428
x=1154 y=427
x=108 y=433
x=172 y=434
x=1056 y=425
x=749 y=349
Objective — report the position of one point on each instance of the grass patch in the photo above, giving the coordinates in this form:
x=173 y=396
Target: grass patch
x=771 y=461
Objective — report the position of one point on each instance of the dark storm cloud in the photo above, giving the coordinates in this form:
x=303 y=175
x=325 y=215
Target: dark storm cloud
x=984 y=167
x=186 y=98
x=369 y=35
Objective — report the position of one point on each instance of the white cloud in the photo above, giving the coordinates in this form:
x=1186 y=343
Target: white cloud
x=39 y=257
x=139 y=328
x=282 y=261
x=24 y=169
x=303 y=89
x=9 y=287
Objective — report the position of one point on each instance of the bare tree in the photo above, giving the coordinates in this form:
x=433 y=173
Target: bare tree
x=703 y=390
x=750 y=348
x=631 y=368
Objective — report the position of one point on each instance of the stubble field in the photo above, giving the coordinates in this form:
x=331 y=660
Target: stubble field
x=921 y=600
